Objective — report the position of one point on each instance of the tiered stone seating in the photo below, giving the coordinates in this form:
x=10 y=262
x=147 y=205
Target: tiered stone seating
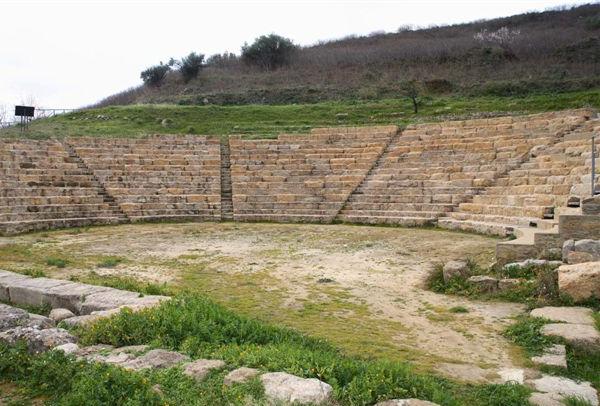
x=527 y=195
x=43 y=187
x=302 y=178
x=158 y=177
x=431 y=168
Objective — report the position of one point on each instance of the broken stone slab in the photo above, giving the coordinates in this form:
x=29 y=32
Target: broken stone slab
x=577 y=251
x=91 y=350
x=406 y=402
x=113 y=299
x=78 y=321
x=533 y=262
x=591 y=205
x=201 y=367
x=565 y=387
x=8 y=279
x=240 y=375
x=453 y=269
x=61 y=314
x=40 y=322
x=71 y=296
x=107 y=300
x=546 y=399
x=575 y=315
x=580 y=335
x=284 y=387
x=580 y=281
x=11 y=317
x=33 y=291
x=132 y=349
x=514 y=375
x=483 y=283
x=555 y=356
x=69 y=348
x=509 y=283
x=37 y=340
x=155 y=359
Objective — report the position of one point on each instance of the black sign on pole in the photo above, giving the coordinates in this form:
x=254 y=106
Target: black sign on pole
x=24 y=111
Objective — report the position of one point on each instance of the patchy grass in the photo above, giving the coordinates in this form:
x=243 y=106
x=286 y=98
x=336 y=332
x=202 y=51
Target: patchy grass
x=458 y=309
x=267 y=121
x=124 y=283
x=202 y=329
x=581 y=364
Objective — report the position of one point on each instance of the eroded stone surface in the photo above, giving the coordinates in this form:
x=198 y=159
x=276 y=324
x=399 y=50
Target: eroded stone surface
x=284 y=387
x=566 y=387
x=514 y=375
x=155 y=359
x=576 y=315
x=240 y=375
x=546 y=399
x=453 y=269
x=11 y=317
x=40 y=322
x=406 y=402
x=581 y=335
x=484 y=283
x=555 y=356
x=60 y=314
x=591 y=205
x=201 y=367
x=37 y=340
x=508 y=283
x=533 y=262
x=69 y=348
x=580 y=281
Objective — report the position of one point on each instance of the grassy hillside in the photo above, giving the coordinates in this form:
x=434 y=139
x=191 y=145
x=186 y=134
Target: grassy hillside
x=553 y=51
x=267 y=121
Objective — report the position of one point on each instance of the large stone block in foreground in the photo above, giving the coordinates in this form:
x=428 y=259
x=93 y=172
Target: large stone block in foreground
x=284 y=387
x=580 y=281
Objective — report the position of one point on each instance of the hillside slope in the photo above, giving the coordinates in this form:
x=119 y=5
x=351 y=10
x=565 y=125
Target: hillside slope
x=267 y=121
x=553 y=51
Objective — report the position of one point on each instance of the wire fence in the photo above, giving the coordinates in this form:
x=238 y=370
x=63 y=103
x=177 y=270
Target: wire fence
x=39 y=113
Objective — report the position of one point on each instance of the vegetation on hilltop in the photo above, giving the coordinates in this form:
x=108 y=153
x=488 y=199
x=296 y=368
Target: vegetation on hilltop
x=551 y=51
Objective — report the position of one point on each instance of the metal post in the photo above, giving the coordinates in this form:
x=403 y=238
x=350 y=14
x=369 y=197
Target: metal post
x=593 y=166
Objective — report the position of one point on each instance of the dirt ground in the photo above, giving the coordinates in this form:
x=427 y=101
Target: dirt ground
x=360 y=287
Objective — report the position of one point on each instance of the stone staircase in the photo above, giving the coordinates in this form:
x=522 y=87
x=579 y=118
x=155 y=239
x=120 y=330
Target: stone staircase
x=531 y=194
x=226 y=190
x=115 y=210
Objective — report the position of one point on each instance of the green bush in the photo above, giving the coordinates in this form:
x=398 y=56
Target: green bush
x=57 y=262
x=109 y=262
x=269 y=52
x=155 y=75
x=593 y=22
x=190 y=66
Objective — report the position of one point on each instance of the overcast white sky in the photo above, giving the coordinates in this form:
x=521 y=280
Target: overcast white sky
x=68 y=54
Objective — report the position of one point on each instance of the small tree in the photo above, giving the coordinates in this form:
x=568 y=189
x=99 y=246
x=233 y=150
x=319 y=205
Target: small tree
x=412 y=89
x=190 y=66
x=269 y=52
x=502 y=37
x=155 y=75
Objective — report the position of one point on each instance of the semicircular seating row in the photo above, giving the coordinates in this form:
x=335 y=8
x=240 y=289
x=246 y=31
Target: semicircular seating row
x=489 y=175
